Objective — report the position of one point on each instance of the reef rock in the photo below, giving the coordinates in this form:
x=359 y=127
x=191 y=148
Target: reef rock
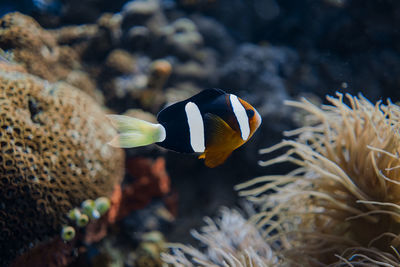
x=35 y=47
x=143 y=13
x=53 y=156
x=54 y=55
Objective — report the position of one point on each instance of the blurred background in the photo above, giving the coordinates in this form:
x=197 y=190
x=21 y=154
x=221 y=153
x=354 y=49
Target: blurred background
x=135 y=57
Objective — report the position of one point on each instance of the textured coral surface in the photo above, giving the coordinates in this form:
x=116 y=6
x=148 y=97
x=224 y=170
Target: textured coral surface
x=45 y=53
x=35 y=47
x=53 y=156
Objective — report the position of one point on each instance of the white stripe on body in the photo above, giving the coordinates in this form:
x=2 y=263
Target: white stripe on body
x=196 y=127
x=241 y=116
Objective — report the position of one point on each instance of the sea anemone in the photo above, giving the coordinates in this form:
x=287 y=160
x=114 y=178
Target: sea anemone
x=341 y=204
x=230 y=241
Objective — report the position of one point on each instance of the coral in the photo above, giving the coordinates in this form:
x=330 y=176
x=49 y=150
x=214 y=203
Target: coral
x=159 y=73
x=35 y=47
x=67 y=233
x=97 y=229
x=151 y=180
x=230 y=241
x=105 y=38
x=11 y=66
x=89 y=212
x=82 y=80
x=215 y=35
x=91 y=42
x=140 y=13
x=141 y=26
x=149 y=250
x=143 y=252
x=182 y=38
x=7 y=63
x=251 y=63
x=345 y=192
x=122 y=75
x=137 y=38
x=53 y=253
x=119 y=62
x=135 y=79
x=145 y=28
x=192 y=71
x=53 y=156
x=140 y=228
x=49 y=53
x=74 y=35
x=152 y=98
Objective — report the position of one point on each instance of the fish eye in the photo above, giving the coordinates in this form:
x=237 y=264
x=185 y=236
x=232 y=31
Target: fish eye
x=250 y=113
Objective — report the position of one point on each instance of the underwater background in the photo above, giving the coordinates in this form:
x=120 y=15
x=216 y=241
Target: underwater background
x=64 y=64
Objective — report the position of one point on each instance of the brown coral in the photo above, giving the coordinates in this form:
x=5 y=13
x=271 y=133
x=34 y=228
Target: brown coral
x=152 y=98
x=151 y=180
x=53 y=253
x=53 y=156
x=120 y=62
x=35 y=47
x=43 y=53
x=345 y=193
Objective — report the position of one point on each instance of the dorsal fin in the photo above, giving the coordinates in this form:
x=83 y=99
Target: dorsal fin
x=207 y=95
x=204 y=96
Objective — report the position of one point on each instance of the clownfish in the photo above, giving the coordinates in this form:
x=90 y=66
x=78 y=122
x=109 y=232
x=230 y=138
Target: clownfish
x=212 y=123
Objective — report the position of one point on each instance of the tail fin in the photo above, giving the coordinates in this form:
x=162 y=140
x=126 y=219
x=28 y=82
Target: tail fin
x=135 y=132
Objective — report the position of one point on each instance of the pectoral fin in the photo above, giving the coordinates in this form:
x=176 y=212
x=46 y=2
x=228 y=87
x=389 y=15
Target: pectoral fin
x=218 y=132
x=221 y=141
x=215 y=158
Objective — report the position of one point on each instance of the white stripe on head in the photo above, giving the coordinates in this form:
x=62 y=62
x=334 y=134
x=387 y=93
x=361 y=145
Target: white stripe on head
x=196 y=127
x=241 y=116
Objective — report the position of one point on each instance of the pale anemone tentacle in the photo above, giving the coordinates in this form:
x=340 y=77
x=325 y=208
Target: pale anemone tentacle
x=348 y=174
x=231 y=241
